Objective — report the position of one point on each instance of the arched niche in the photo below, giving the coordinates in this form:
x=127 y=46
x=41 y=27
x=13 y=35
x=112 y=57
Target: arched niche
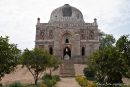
x=83 y=51
x=51 y=50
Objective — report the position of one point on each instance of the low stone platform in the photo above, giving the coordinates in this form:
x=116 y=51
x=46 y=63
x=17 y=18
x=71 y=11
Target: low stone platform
x=67 y=69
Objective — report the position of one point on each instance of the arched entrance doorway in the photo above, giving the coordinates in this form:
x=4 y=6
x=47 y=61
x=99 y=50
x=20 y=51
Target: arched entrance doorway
x=67 y=51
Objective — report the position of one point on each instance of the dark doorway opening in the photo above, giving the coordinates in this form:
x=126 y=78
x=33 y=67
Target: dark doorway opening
x=67 y=51
x=66 y=41
x=51 y=50
x=83 y=51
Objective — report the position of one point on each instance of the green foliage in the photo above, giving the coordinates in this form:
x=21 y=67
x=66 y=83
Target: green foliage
x=105 y=39
x=56 y=77
x=36 y=61
x=123 y=46
x=126 y=86
x=83 y=82
x=47 y=82
x=15 y=84
x=9 y=54
x=53 y=82
x=50 y=80
x=54 y=64
x=41 y=85
x=47 y=76
x=108 y=64
x=111 y=63
x=88 y=72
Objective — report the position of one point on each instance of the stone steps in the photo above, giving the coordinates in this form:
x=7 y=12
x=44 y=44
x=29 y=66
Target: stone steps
x=67 y=69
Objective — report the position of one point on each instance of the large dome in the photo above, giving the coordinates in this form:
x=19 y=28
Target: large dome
x=66 y=13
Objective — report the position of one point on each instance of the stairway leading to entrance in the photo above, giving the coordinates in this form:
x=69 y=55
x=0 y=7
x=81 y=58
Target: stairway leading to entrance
x=67 y=69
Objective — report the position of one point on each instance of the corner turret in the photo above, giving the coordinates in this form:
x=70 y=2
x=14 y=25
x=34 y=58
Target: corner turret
x=38 y=20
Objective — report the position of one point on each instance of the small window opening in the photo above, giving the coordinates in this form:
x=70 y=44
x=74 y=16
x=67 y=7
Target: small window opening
x=67 y=41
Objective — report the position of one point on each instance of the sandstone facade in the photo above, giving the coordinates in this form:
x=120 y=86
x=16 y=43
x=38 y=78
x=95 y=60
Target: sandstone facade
x=66 y=33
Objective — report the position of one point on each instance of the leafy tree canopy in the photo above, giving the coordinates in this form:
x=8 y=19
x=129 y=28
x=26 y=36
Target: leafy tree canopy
x=105 y=39
x=54 y=64
x=123 y=46
x=9 y=54
x=36 y=61
x=108 y=64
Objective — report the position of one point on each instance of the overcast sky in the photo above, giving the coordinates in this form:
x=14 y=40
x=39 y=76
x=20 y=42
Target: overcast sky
x=18 y=18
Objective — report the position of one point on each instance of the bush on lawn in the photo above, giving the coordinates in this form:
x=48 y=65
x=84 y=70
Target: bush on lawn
x=53 y=82
x=56 y=77
x=15 y=84
x=50 y=80
x=88 y=72
x=47 y=76
x=83 y=82
x=47 y=82
x=41 y=85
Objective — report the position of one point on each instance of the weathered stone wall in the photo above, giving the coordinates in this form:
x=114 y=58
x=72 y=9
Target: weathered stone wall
x=81 y=36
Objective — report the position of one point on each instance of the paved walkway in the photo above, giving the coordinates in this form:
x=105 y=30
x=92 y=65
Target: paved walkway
x=67 y=82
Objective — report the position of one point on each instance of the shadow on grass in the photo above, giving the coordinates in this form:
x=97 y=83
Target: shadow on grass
x=92 y=79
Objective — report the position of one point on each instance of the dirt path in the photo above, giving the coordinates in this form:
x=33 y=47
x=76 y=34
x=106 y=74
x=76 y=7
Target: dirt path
x=21 y=75
x=67 y=82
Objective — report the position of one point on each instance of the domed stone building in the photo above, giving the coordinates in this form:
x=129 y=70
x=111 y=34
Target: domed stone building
x=66 y=35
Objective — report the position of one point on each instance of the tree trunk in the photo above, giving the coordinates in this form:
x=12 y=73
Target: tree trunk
x=36 y=77
x=1 y=85
x=0 y=81
x=50 y=72
x=36 y=81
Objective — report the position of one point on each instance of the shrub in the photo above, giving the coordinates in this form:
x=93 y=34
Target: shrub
x=42 y=85
x=53 y=81
x=88 y=72
x=91 y=85
x=47 y=76
x=83 y=82
x=15 y=84
x=50 y=80
x=56 y=77
x=47 y=82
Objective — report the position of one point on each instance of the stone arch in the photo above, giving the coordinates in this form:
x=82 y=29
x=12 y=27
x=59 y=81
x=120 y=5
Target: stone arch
x=91 y=47
x=63 y=33
x=51 y=50
x=91 y=35
x=67 y=51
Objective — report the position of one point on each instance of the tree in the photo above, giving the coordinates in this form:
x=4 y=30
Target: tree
x=123 y=46
x=109 y=65
x=9 y=54
x=54 y=64
x=105 y=39
x=36 y=61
